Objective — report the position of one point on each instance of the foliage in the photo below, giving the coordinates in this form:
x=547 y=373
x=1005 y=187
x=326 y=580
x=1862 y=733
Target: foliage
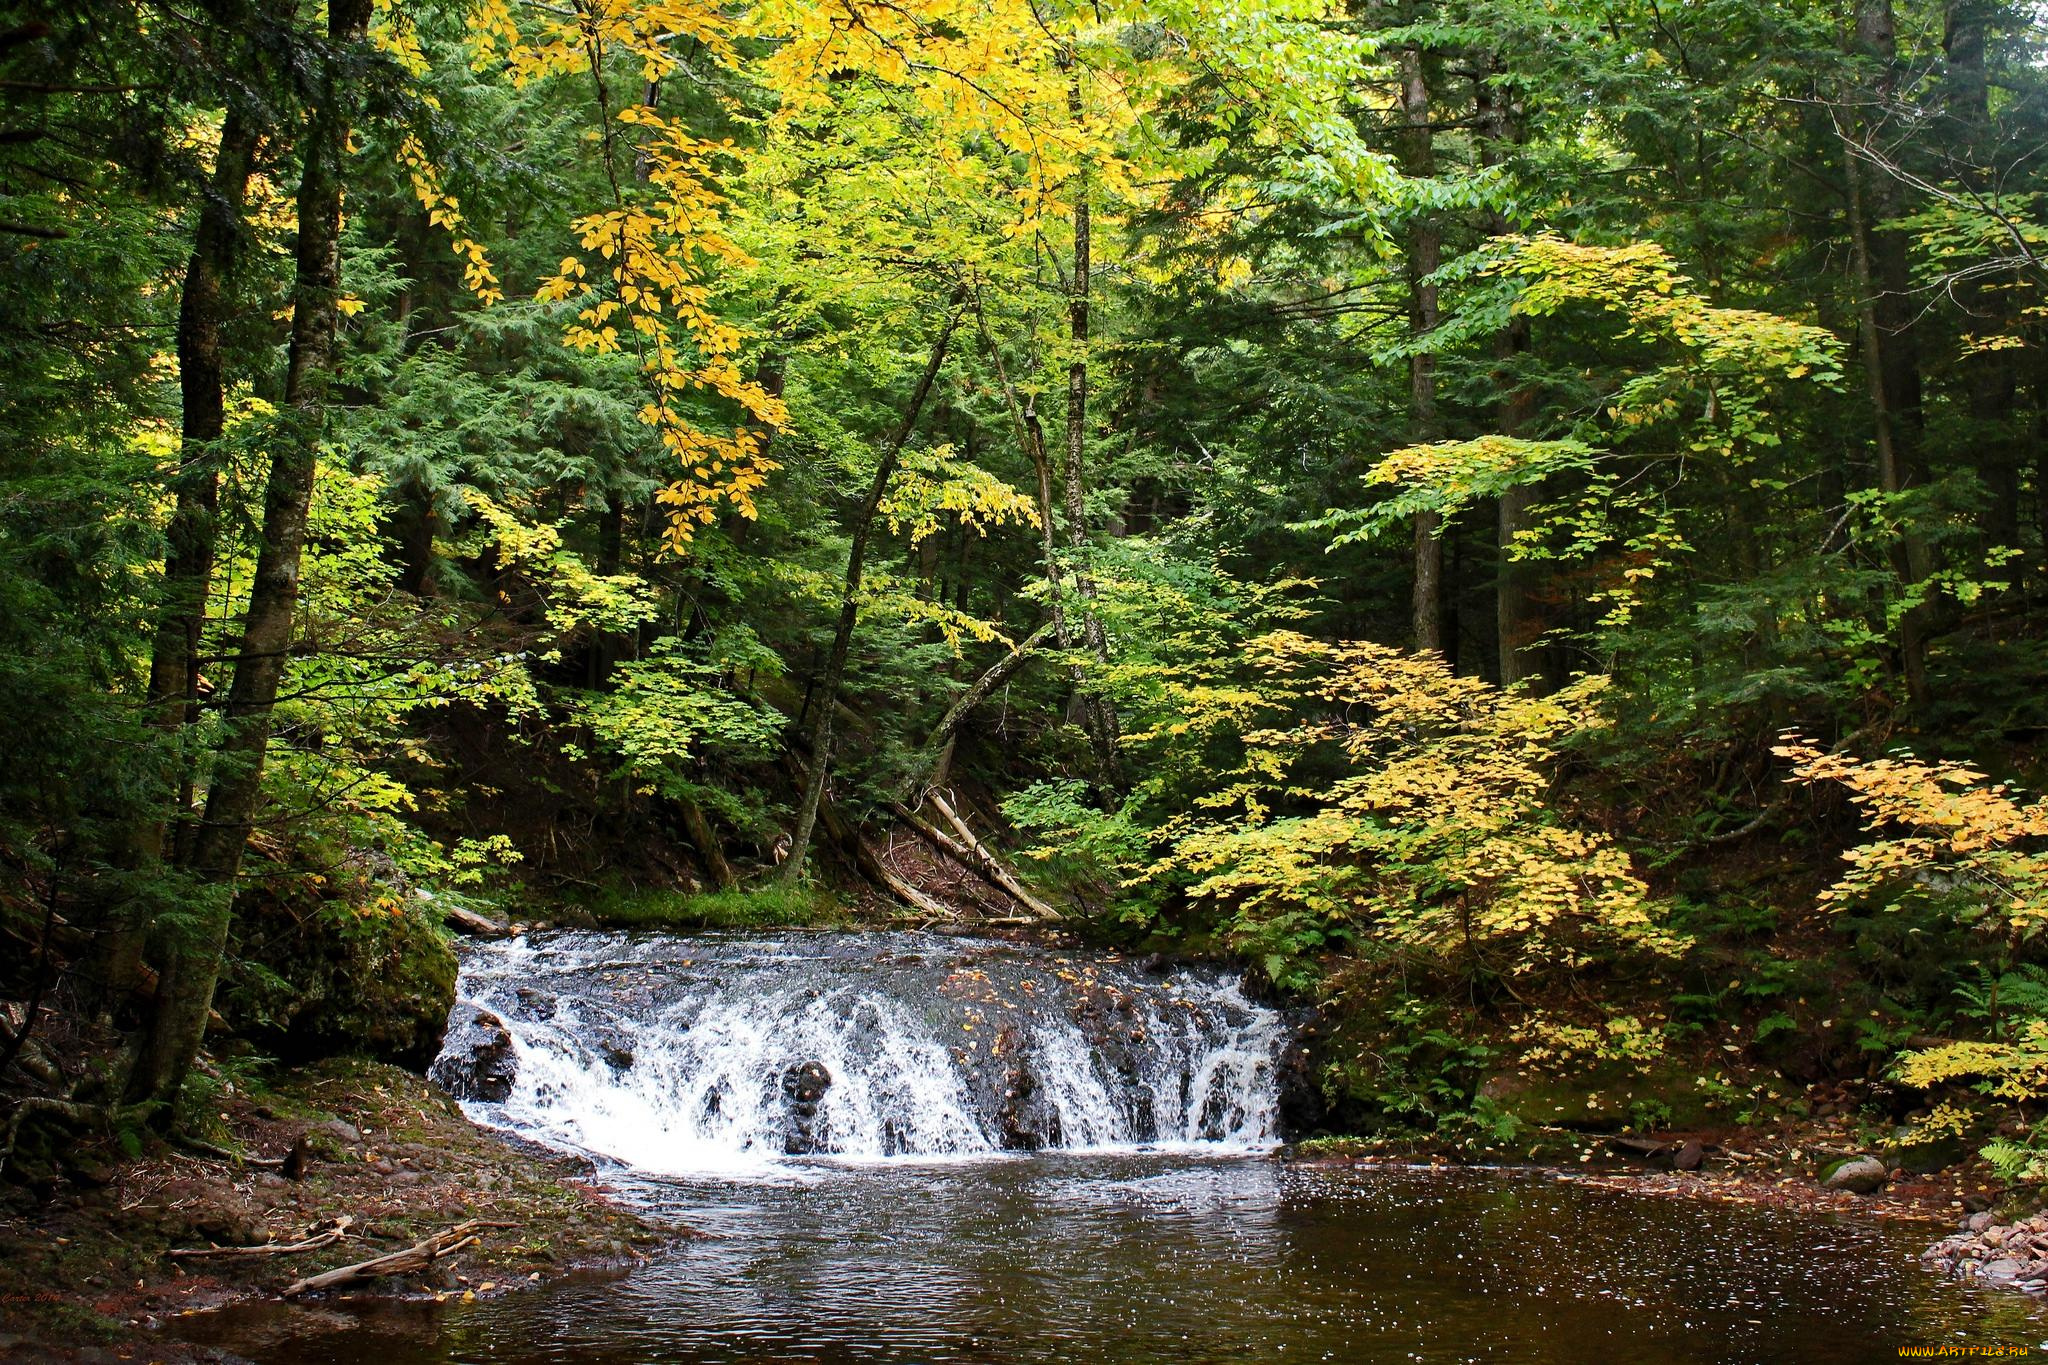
x=1434 y=836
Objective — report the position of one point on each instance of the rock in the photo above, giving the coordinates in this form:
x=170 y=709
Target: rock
x=1857 y=1174
x=1977 y=1203
x=341 y=1131
x=1303 y=1108
x=617 y=1056
x=343 y=967
x=2000 y=1272
x=807 y=1083
x=1691 y=1156
x=1977 y=1222
x=470 y=922
x=219 y=1217
x=478 y=1062
x=804 y=1085
x=1917 y=1154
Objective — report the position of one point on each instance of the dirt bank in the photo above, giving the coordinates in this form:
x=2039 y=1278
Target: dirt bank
x=85 y=1265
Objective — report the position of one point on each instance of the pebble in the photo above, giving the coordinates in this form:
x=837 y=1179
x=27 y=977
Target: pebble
x=2009 y=1255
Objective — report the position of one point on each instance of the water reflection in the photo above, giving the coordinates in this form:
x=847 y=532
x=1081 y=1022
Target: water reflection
x=1141 y=1259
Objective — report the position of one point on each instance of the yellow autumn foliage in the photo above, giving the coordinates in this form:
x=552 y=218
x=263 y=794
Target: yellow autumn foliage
x=1435 y=835
x=1946 y=835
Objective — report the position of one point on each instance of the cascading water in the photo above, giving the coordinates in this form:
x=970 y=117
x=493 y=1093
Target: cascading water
x=676 y=1055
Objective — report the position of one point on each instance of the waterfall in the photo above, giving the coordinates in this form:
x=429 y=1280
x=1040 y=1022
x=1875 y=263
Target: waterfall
x=676 y=1055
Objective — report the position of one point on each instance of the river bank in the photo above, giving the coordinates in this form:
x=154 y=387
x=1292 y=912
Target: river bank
x=86 y=1266
x=86 y=1270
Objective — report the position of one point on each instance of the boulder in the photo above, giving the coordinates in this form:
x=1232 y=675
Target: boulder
x=314 y=975
x=478 y=1062
x=804 y=1086
x=1857 y=1174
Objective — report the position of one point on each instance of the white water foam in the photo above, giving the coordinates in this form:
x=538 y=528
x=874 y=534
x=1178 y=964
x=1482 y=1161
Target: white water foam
x=680 y=1056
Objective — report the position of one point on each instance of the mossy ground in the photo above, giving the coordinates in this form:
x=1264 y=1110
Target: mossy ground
x=83 y=1263
x=762 y=906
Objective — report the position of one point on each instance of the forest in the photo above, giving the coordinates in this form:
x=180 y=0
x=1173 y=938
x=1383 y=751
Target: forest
x=1521 y=526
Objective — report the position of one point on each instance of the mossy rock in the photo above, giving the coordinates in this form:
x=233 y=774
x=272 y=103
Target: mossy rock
x=1921 y=1154
x=315 y=978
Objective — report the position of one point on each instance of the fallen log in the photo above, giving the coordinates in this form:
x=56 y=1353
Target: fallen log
x=418 y=1257
x=201 y=1147
x=975 y=858
x=990 y=865
x=470 y=922
x=335 y=1231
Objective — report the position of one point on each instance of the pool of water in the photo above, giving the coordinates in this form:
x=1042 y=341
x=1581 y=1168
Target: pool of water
x=1101 y=1257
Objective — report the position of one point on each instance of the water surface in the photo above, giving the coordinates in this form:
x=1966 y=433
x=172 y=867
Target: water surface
x=1135 y=1258
x=907 y=1150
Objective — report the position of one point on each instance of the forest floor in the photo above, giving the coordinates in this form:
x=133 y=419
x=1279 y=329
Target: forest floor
x=85 y=1273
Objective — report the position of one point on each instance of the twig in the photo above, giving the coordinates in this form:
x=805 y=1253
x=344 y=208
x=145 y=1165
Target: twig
x=204 y=1148
x=418 y=1257
x=333 y=1234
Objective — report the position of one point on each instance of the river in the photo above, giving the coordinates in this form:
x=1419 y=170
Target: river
x=914 y=1149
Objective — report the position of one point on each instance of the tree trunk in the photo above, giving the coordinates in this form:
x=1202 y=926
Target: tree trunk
x=191 y=969
x=1890 y=267
x=189 y=556
x=856 y=564
x=1518 y=614
x=1031 y=438
x=705 y=839
x=1100 y=716
x=941 y=737
x=1990 y=376
x=1425 y=254
x=1908 y=553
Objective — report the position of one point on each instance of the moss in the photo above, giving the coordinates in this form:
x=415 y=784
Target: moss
x=313 y=978
x=744 y=907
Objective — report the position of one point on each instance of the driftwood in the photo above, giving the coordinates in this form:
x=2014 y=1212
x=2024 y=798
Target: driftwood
x=438 y=1247
x=470 y=922
x=334 y=1232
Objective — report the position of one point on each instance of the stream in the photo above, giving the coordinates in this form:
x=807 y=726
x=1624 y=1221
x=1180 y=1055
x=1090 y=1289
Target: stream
x=909 y=1148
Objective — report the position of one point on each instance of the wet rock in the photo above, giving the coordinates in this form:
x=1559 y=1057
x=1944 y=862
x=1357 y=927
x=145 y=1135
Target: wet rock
x=804 y=1086
x=478 y=1062
x=1691 y=1156
x=617 y=1056
x=1028 y=1122
x=1303 y=1109
x=1857 y=1174
x=807 y=1083
x=1977 y=1222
